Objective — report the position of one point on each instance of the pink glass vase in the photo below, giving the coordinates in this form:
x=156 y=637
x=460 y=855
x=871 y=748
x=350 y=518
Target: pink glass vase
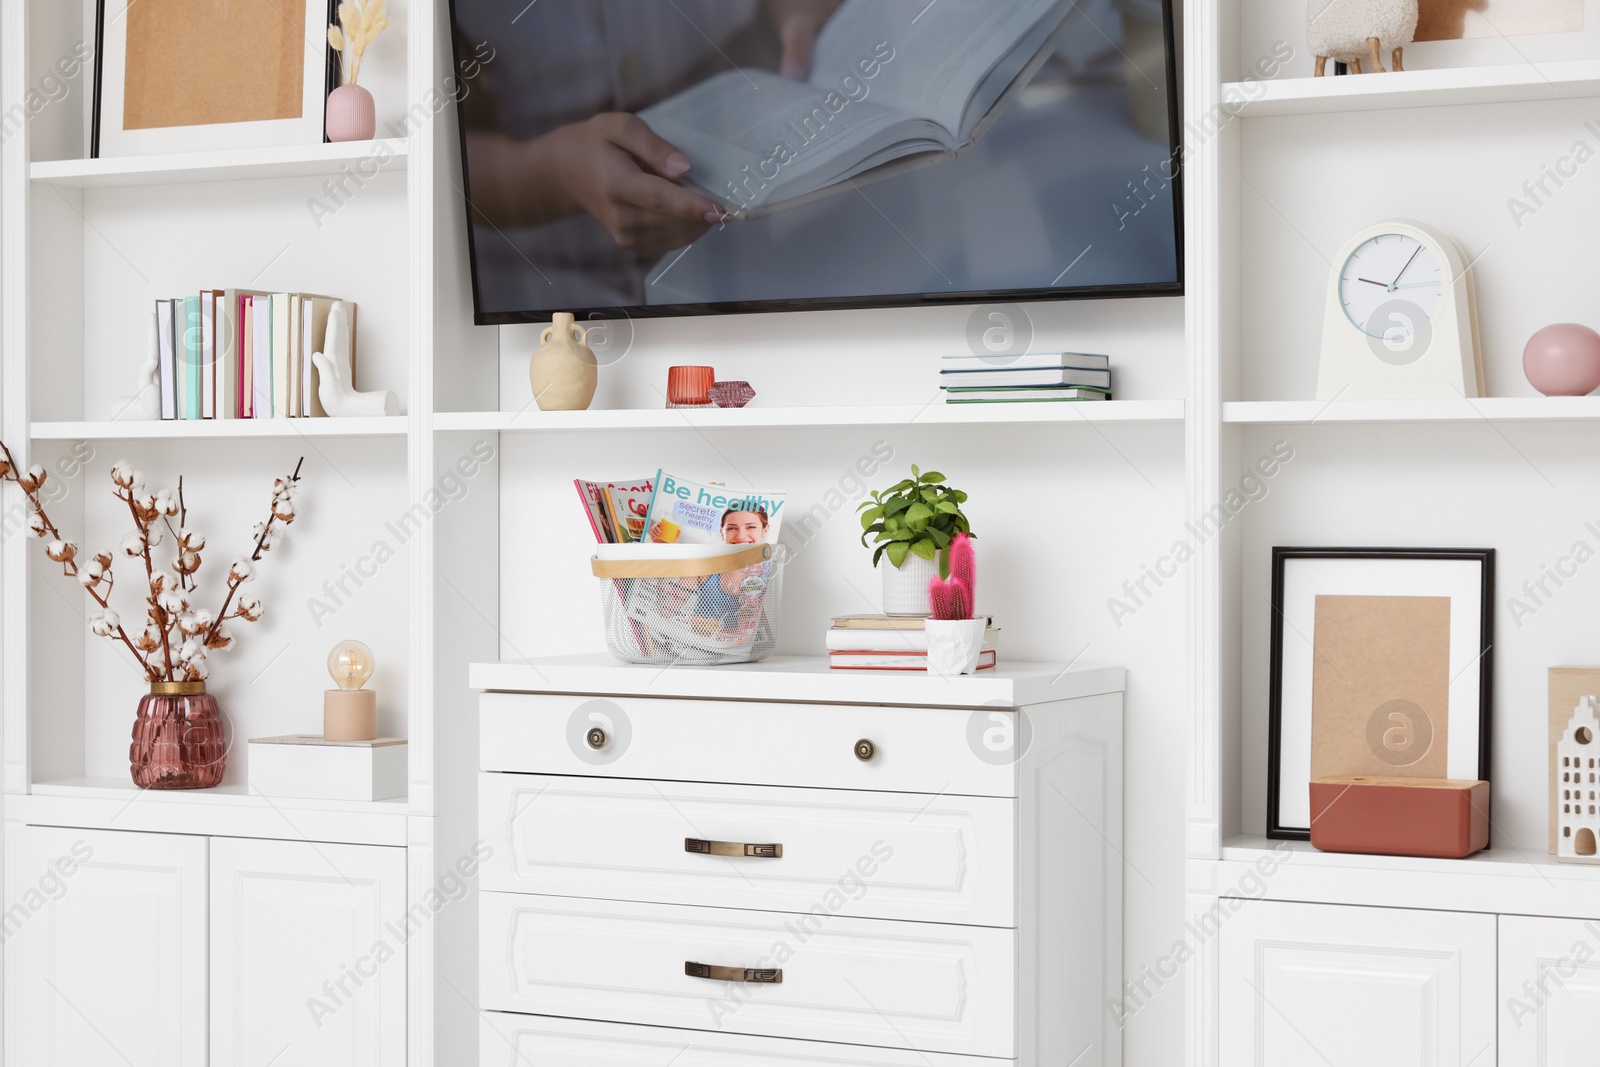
x=178 y=738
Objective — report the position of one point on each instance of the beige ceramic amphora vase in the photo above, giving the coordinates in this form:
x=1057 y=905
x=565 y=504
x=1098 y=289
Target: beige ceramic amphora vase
x=563 y=372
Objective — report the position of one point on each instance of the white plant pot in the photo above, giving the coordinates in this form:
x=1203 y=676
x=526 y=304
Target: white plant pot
x=954 y=645
x=905 y=588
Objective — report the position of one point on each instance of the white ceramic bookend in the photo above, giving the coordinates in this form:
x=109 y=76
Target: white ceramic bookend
x=145 y=404
x=335 y=390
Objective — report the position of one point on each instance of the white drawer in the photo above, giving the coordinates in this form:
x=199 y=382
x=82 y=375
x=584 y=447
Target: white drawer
x=917 y=750
x=878 y=855
x=855 y=981
x=533 y=1041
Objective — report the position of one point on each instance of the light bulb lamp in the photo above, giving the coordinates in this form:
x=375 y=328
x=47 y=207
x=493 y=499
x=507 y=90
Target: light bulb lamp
x=350 y=713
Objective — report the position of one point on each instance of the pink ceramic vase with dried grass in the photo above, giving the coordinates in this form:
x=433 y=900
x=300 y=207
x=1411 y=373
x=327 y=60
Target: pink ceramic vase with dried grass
x=352 y=116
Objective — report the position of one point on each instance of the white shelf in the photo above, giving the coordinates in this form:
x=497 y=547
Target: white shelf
x=935 y=414
x=1565 y=80
x=219 y=429
x=225 y=811
x=1504 y=879
x=1486 y=409
x=237 y=165
x=802 y=678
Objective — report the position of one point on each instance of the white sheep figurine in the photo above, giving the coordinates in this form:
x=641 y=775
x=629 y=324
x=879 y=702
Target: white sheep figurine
x=1350 y=31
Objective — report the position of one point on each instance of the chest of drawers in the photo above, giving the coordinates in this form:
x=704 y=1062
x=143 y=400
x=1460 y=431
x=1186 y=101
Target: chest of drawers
x=717 y=867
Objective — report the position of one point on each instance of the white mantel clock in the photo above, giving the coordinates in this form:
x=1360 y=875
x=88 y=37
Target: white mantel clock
x=1401 y=322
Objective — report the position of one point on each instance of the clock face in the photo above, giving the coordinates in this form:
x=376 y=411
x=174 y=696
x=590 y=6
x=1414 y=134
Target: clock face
x=1391 y=287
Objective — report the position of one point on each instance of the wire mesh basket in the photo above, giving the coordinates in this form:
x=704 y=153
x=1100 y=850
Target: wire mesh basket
x=715 y=609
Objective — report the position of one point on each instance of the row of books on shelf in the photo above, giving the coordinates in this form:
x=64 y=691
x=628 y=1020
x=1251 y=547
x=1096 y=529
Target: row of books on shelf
x=892 y=643
x=1040 y=377
x=242 y=354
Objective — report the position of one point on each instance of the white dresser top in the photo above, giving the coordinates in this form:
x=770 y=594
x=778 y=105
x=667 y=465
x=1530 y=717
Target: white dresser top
x=801 y=679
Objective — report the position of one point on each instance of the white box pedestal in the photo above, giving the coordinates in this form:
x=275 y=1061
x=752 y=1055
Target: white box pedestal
x=314 y=768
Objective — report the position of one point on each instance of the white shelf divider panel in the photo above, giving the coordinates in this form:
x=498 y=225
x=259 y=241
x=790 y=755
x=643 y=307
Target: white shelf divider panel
x=225 y=429
x=223 y=811
x=293 y=161
x=1485 y=409
x=1564 y=80
x=1502 y=880
x=935 y=414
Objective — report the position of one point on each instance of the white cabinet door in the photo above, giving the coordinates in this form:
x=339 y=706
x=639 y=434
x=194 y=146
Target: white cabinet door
x=1549 y=991
x=1306 y=985
x=308 y=958
x=106 y=948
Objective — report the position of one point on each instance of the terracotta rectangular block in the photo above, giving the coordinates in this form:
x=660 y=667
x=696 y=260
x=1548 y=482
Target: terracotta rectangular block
x=1437 y=817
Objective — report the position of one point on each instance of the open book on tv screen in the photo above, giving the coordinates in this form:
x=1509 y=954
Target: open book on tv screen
x=653 y=158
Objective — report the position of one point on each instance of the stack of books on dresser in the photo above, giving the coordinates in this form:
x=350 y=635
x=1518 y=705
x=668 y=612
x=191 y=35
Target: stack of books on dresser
x=891 y=643
x=1040 y=377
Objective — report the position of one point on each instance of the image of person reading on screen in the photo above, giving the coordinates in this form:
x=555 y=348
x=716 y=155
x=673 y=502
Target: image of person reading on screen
x=554 y=142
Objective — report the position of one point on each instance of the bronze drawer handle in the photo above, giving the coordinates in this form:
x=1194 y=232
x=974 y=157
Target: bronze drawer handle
x=753 y=975
x=701 y=847
x=866 y=749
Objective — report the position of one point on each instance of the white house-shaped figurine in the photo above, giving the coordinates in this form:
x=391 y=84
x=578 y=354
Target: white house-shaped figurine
x=1578 y=761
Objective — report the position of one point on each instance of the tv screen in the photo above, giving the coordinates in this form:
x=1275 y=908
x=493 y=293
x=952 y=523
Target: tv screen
x=656 y=157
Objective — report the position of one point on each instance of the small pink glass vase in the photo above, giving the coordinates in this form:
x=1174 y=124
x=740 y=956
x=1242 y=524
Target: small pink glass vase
x=1563 y=360
x=732 y=394
x=351 y=114
x=178 y=738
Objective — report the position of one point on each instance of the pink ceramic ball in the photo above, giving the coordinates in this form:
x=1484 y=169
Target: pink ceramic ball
x=1563 y=360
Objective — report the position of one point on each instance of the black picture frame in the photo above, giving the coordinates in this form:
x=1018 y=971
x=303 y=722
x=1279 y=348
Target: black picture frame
x=99 y=51
x=331 y=76
x=461 y=53
x=1281 y=558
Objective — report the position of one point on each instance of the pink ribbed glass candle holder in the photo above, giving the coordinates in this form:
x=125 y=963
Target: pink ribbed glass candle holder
x=689 y=387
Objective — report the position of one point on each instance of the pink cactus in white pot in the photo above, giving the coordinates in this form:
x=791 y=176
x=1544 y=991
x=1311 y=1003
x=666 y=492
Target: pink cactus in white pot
x=955 y=637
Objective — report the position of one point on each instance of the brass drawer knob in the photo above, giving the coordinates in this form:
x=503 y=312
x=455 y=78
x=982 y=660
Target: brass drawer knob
x=597 y=738
x=865 y=750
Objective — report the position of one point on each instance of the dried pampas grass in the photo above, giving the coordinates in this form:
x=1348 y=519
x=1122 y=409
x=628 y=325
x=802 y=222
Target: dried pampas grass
x=360 y=22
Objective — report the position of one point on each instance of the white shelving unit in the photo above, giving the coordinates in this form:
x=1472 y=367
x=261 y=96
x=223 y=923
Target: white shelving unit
x=221 y=430
x=1276 y=182
x=226 y=811
x=1572 y=79
x=245 y=164
x=1487 y=409
x=90 y=244
x=935 y=414
x=483 y=549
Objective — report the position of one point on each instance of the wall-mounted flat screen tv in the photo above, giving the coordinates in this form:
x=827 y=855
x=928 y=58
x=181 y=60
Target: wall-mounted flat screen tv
x=673 y=157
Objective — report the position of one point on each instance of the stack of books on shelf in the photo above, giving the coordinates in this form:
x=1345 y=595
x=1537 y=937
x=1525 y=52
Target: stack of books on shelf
x=1033 y=378
x=241 y=354
x=891 y=643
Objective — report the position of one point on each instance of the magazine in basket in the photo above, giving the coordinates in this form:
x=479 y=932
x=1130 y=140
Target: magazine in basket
x=705 y=586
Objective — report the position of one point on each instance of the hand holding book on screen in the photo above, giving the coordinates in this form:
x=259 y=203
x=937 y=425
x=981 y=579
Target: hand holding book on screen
x=887 y=84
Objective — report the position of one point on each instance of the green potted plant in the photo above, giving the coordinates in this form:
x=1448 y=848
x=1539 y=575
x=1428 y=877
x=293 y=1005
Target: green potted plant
x=913 y=523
